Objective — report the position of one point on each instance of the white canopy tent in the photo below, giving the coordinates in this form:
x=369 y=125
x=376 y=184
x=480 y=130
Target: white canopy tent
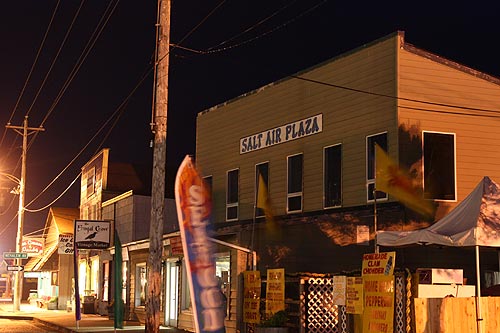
x=473 y=222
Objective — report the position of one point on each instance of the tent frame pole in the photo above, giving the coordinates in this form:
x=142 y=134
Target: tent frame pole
x=478 y=292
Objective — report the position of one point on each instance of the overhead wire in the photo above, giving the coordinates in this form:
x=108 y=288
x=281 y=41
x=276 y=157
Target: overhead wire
x=54 y=60
x=213 y=49
x=32 y=69
x=393 y=97
x=119 y=110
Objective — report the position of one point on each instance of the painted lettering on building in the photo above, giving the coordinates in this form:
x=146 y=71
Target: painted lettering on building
x=282 y=134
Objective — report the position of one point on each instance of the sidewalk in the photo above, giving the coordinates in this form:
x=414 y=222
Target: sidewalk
x=65 y=322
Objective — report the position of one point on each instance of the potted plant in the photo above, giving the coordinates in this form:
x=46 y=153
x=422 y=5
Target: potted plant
x=276 y=323
x=52 y=303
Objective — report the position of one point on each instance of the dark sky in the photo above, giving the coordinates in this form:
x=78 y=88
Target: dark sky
x=238 y=46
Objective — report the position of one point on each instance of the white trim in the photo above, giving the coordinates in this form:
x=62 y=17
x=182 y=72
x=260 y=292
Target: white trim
x=368 y=182
x=341 y=175
x=454 y=164
x=234 y=204
x=294 y=194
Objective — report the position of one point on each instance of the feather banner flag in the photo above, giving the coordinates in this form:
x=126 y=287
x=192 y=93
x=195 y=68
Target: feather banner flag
x=193 y=211
x=118 y=306
x=393 y=180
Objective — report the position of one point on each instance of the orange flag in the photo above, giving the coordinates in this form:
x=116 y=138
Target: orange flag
x=391 y=179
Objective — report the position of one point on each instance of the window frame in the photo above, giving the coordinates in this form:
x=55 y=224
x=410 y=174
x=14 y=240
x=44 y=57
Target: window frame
x=138 y=287
x=454 y=135
x=259 y=212
x=292 y=195
x=325 y=175
x=370 y=157
x=232 y=204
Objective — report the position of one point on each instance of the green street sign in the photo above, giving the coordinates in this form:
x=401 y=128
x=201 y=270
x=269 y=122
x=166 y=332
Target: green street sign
x=15 y=255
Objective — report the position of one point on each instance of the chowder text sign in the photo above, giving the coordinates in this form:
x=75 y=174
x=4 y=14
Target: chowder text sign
x=282 y=134
x=91 y=234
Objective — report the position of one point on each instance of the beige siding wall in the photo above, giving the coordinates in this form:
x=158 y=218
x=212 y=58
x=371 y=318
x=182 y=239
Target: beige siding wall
x=348 y=117
x=477 y=149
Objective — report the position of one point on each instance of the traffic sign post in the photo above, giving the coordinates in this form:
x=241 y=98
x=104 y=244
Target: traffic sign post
x=15 y=268
x=15 y=255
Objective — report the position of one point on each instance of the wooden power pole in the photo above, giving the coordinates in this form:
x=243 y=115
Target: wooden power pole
x=25 y=131
x=159 y=128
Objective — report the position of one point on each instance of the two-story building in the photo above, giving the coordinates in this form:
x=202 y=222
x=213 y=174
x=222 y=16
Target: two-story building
x=311 y=136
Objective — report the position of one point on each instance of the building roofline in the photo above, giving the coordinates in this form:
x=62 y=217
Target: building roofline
x=406 y=46
x=450 y=63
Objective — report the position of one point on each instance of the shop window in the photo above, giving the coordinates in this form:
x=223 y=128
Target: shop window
x=261 y=170
x=332 y=182
x=141 y=284
x=381 y=140
x=124 y=279
x=439 y=166
x=294 y=183
x=94 y=277
x=232 y=195
x=105 y=281
x=222 y=271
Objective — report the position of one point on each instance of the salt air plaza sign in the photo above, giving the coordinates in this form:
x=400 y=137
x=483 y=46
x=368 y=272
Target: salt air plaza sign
x=282 y=134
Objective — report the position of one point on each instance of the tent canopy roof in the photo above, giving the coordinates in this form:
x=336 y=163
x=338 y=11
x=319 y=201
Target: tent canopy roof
x=475 y=221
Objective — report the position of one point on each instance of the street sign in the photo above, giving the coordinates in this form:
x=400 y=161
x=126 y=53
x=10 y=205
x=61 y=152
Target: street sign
x=15 y=255
x=15 y=268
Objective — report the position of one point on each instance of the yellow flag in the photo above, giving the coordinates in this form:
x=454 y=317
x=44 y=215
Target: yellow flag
x=395 y=181
x=262 y=195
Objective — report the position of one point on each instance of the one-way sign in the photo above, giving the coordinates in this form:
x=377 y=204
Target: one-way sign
x=15 y=268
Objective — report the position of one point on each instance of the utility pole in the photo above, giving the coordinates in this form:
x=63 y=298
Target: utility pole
x=159 y=128
x=18 y=278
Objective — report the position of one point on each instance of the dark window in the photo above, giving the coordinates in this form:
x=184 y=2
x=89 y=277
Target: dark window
x=294 y=193
x=381 y=140
x=263 y=170
x=439 y=166
x=333 y=176
x=232 y=196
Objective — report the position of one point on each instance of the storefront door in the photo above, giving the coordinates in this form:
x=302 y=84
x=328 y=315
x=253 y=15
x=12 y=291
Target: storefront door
x=172 y=293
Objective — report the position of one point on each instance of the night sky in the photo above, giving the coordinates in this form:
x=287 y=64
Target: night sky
x=221 y=50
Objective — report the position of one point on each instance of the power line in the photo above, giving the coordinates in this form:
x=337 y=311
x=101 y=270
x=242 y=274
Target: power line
x=393 y=97
x=214 y=49
x=56 y=57
x=32 y=68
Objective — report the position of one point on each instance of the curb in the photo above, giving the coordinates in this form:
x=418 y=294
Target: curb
x=52 y=325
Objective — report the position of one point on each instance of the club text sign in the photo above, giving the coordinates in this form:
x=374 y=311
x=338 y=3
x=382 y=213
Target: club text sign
x=282 y=134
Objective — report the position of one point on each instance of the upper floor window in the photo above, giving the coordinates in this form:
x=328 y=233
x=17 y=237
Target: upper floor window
x=208 y=182
x=439 y=166
x=232 y=195
x=261 y=170
x=90 y=177
x=381 y=140
x=294 y=183
x=332 y=182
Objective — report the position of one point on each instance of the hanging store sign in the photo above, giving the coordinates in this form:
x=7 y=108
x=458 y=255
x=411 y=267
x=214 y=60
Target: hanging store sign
x=65 y=244
x=292 y=131
x=33 y=246
x=91 y=234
